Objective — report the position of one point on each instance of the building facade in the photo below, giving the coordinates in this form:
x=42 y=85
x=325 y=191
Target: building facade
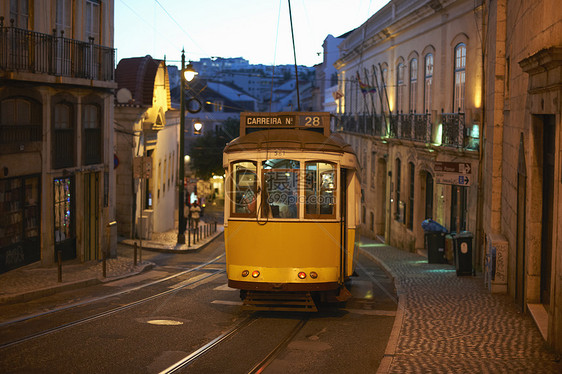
x=146 y=130
x=454 y=108
x=56 y=113
x=522 y=177
x=411 y=81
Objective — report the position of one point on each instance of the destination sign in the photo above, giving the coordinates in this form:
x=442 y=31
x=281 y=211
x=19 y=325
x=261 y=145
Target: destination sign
x=261 y=121
x=267 y=120
x=455 y=173
x=453 y=167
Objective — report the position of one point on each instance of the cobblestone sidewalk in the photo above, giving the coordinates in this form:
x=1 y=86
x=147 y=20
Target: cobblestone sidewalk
x=452 y=324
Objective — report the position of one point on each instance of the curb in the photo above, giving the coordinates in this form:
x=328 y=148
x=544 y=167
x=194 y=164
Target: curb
x=390 y=351
x=48 y=291
x=163 y=248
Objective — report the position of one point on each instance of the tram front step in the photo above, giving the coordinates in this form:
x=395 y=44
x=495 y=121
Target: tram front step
x=280 y=301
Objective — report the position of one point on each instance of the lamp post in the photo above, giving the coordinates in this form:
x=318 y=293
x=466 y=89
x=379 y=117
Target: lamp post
x=186 y=75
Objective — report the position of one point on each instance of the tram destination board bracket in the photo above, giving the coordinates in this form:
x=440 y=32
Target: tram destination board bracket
x=250 y=121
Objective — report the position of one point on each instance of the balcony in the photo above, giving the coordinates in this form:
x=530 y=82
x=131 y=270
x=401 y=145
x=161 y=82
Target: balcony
x=411 y=126
x=27 y=51
x=363 y=124
x=451 y=129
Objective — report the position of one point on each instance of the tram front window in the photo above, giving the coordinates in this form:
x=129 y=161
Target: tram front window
x=281 y=188
x=320 y=188
x=244 y=188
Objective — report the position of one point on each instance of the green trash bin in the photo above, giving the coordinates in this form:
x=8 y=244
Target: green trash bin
x=435 y=245
x=463 y=253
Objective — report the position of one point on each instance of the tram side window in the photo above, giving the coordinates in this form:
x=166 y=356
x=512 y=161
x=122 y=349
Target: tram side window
x=320 y=190
x=281 y=188
x=244 y=188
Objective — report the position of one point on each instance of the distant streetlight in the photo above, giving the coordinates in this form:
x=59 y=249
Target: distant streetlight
x=187 y=75
x=197 y=126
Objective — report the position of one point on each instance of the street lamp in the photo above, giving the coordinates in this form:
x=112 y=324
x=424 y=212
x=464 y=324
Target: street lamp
x=197 y=126
x=186 y=75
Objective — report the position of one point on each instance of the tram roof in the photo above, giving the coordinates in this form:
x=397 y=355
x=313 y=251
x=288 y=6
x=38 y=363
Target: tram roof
x=293 y=139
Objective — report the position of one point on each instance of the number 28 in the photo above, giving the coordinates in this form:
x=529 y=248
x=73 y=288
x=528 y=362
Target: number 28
x=312 y=121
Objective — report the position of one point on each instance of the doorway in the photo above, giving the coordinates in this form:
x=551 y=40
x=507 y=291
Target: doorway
x=521 y=224
x=548 y=157
x=64 y=218
x=91 y=216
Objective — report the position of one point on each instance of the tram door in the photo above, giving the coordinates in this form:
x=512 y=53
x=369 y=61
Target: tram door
x=343 y=218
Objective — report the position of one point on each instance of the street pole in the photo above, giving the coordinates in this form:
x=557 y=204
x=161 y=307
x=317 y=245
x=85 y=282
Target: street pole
x=181 y=203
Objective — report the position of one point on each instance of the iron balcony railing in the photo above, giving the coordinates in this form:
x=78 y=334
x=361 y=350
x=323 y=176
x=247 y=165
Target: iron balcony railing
x=411 y=126
x=28 y=51
x=367 y=124
x=451 y=129
x=453 y=132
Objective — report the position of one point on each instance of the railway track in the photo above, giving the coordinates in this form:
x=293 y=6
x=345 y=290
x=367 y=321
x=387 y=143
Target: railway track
x=223 y=339
x=171 y=289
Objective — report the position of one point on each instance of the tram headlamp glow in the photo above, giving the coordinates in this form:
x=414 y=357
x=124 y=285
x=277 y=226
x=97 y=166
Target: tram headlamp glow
x=245 y=273
x=255 y=274
x=313 y=275
x=302 y=275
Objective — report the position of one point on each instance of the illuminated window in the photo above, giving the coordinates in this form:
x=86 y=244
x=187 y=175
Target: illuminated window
x=280 y=188
x=460 y=77
x=244 y=189
x=320 y=190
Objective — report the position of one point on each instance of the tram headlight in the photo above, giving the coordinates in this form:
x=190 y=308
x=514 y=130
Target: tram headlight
x=255 y=273
x=245 y=273
x=313 y=275
x=302 y=275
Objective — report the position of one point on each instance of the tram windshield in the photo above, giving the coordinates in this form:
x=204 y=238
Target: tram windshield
x=281 y=188
x=244 y=177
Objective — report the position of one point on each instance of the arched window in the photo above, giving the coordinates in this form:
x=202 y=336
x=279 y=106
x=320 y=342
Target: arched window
x=63 y=136
x=460 y=77
x=399 y=87
x=20 y=120
x=92 y=139
x=428 y=81
x=413 y=83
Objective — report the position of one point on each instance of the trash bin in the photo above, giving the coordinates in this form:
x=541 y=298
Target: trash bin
x=435 y=245
x=463 y=253
x=434 y=241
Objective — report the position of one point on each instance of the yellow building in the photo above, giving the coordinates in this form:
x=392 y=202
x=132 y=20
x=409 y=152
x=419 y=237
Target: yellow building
x=56 y=137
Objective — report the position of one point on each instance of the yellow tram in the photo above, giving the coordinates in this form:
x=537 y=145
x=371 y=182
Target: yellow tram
x=291 y=211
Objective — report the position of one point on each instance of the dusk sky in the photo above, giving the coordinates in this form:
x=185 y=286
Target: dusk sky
x=257 y=30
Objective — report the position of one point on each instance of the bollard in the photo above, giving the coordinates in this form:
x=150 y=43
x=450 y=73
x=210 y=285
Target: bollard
x=189 y=237
x=198 y=234
x=104 y=267
x=59 y=259
x=135 y=254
